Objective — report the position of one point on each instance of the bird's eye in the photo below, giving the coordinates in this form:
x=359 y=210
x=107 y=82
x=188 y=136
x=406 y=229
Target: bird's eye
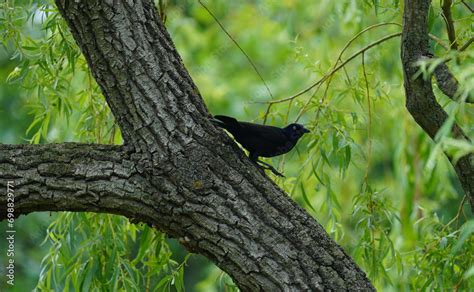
x=294 y=128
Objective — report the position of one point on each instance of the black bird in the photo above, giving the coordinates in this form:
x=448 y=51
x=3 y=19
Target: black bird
x=262 y=140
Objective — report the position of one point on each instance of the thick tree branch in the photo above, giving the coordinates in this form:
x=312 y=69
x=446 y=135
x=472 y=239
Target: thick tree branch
x=447 y=83
x=420 y=99
x=185 y=177
x=71 y=177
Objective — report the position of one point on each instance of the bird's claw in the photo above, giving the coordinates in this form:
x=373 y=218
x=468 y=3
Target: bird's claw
x=264 y=165
x=275 y=172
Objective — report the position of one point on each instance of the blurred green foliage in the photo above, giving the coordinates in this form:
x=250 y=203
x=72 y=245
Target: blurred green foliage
x=381 y=188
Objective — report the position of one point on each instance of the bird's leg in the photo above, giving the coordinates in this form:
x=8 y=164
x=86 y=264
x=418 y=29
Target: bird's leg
x=269 y=167
x=254 y=158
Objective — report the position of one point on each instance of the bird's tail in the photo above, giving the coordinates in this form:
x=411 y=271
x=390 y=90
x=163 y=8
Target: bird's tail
x=225 y=122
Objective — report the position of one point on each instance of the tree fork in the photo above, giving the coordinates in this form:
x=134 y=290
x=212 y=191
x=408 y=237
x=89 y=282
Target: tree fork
x=176 y=171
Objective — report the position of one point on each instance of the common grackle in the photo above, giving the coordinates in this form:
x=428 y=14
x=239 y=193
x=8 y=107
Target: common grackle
x=262 y=140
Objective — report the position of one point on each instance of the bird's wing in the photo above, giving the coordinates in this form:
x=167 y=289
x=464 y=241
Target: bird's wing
x=259 y=140
x=228 y=123
x=265 y=140
x=270 y=134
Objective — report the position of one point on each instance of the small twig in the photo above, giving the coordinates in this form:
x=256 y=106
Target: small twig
x=369 y=126
x=346 y=47
x=308 y=101
x=448 y=19
x=467 y=44
x=458 y=214
x=339 y=59
x=468 y=6
x=240 y=48
x=439 y=41
x=288 y=111
x=329 y=76
x=359 y=34
x=325 y=77
x=265 y=116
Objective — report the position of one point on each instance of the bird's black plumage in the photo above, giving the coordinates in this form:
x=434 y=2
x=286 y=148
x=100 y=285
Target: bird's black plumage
x=262 y=140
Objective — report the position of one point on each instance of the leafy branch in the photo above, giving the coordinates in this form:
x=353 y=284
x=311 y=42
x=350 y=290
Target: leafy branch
x=326 y=76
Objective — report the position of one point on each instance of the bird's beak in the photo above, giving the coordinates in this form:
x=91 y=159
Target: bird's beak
x=306 y=130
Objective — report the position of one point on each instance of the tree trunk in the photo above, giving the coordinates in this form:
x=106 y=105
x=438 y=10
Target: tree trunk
x=420 y=99
x=175 y=171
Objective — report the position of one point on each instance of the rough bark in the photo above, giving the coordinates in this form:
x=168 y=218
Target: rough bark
x=76 y=177
x=176 y=171
x=447 y=83
x=420 y=99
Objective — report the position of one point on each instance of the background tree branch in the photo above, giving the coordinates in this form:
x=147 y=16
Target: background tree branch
x=467 y=6
x=447 y=83
x=448 y=20
x=420 y=99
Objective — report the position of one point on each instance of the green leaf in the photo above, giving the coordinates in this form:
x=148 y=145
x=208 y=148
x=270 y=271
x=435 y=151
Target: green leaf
x=469 y=273
x=465 y=232
x=305 y=197
x=87 y=280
